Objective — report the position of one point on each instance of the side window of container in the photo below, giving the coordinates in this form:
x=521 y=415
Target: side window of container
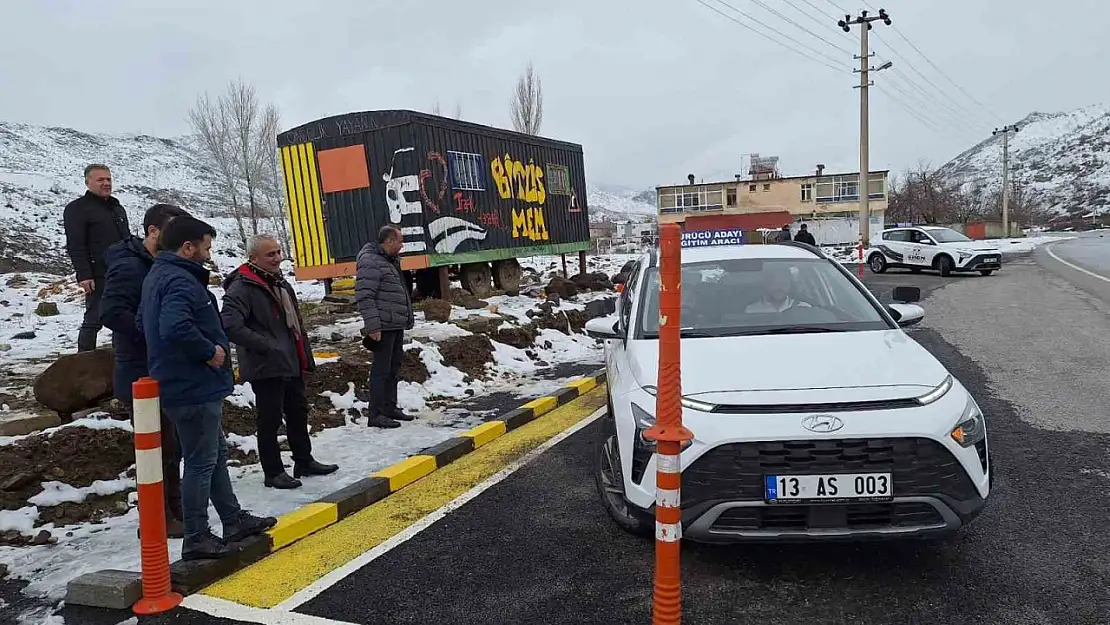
x=466 y=171
x=558 y=179
x=628 y=296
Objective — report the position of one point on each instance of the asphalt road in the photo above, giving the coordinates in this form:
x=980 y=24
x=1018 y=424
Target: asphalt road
x=538 y=547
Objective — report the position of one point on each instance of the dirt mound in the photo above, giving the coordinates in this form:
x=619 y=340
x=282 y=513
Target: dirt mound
x=469 y=354
x=521 y=337
x=435 y=309
x=562 y=286
x=91 y=510
x=239 y=420
x=413 y=368
x=595 y=281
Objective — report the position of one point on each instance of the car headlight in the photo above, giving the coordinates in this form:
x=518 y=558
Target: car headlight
x=692 y=404
x=971 y=429
x=645 y=420
x=940 y=391
x=965 y=255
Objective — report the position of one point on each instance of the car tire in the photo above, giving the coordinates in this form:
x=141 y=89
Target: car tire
x=610 y=487
x=877 y=263
x=944 y=265
x=986 y=272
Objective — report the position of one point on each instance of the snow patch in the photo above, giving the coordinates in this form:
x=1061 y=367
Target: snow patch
x=57 y=493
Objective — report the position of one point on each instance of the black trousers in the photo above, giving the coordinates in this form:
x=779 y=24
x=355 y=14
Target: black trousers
x=90 y=324
x=275 y=398
x=388 y=354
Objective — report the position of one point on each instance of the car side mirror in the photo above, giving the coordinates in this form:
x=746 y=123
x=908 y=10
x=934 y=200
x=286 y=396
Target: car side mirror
x=906 y=314
x=906 y=294
x=606 y=328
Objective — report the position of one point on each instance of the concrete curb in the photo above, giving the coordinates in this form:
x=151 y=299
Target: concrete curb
x=119 y=589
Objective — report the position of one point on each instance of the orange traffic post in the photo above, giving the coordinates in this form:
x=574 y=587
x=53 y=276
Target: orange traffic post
x=157 y=595
x=861 y=259
x=668 y=434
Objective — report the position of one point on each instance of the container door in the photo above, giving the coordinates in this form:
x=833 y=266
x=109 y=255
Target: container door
x=304 y=207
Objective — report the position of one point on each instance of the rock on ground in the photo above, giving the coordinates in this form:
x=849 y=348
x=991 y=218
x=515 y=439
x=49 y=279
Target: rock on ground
x=436 y=310
x=76 y=381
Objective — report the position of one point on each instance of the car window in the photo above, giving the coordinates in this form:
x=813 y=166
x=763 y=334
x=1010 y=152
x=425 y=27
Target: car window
x=920 y=238
x=947 y=235
x=897 y=235
x=626 y=298
x=760 y=296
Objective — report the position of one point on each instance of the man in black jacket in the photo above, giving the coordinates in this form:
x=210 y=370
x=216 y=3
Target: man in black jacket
x=128 y=263
x=93 y=222
x=383 y=300
x=261 y=316
x=804 y=236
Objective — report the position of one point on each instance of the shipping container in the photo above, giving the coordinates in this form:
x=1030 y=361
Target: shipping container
x=466 y=196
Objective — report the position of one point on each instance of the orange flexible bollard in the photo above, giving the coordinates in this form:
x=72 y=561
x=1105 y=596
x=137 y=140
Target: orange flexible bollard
x=157 y=594
x=861 y=259
x=669 y=434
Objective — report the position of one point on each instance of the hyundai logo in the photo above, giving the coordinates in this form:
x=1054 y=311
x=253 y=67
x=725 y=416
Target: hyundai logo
x=822 y=423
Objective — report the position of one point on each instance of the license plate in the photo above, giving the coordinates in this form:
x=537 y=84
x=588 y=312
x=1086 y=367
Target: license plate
x=990 y=259
x=829 y=488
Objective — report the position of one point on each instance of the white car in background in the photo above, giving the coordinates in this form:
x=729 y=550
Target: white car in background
x=815 y=416
x=931 y=247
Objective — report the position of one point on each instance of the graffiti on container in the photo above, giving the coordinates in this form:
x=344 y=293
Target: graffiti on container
x=445 y=233
x=354 y=124
x=306 y=134
x=492 y=219
x=529 y=223
x=440 y=164
x=515 y=179
x=463 y=203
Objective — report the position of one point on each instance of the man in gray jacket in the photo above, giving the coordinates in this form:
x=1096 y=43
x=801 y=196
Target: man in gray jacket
x=385 y=304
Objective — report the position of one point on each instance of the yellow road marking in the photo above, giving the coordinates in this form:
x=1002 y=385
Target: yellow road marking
x=302 y=522
x=277 y=577
x=485 y=433
x=401 y=474
x=543 y=405
x=584 y=385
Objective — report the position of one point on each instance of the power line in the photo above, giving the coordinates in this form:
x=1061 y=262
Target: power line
x=792 y=22
x=907 y=109
x=823 y=22
x=819 y=10
x=835 y=6
x=924 y=112
x=841 y=68
x=928 y=98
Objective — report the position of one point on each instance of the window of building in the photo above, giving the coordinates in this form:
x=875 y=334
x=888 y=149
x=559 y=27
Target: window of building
x=730 y=196
x=466 y=171
x=691 y=200
x=766 y=187
x=832 y=189
x=751 y=188
x=807 y=192
x=558 y=179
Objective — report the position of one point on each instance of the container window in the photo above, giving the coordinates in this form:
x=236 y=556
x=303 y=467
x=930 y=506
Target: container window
x=466 y=171
x=558 y=179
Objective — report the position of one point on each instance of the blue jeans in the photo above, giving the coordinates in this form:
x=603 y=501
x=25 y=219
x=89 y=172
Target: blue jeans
x=204 y=448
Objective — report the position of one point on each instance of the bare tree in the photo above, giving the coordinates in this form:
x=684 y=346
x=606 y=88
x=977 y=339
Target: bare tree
x=458 y=111
x=527 y=103
x=213 y=131
x=241 y=105
x=272 y=183
x=436 y=109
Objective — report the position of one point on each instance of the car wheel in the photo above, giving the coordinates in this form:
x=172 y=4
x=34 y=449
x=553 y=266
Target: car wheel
x=610 y=485
x=944 y=265
x=877 y=262
x=986 y=272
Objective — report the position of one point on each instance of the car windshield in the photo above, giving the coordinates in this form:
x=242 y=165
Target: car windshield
x=738 y=297
x=947 y=235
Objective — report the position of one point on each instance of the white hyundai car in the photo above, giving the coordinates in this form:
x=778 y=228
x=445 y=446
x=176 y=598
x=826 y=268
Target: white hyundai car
x=815 y=416
x=932 y=247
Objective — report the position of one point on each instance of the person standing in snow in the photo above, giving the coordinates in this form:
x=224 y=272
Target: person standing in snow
x=262 y=317
x=129 y=262
x=804 y=236
x=384 y=302
x=187 y=352
x=783 y=235
x=93 y=223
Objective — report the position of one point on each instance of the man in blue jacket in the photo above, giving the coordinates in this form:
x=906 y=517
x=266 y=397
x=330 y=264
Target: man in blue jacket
x=187 y=350
x=128 y=263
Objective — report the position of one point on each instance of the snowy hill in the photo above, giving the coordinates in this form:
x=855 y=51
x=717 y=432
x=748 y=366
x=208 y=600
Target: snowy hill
x=1061 y=159
x=41 y=171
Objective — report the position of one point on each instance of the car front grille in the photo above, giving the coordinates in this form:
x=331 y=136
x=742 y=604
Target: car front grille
x=862 y=516
x=736 y=471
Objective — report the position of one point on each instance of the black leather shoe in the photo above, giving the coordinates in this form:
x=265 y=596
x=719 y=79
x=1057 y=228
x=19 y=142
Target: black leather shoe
x=314 y=468
x=382 y=421
x=247 y=525
x=400 y=415
x=282 y=481
x=207 y=546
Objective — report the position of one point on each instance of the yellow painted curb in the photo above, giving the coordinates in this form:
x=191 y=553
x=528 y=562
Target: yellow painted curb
x=485 y=433
x=584 y=385
x=543 y=405
x=302 y=522
x=326 y=354
x=401 y=474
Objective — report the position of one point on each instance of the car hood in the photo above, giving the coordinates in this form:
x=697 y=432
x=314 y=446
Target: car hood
x=964 y=246
x=881 y=364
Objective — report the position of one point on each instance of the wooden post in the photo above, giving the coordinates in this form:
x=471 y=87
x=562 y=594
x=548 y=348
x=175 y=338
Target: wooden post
x=582 y=262
x=444 y=283
x=564 y=257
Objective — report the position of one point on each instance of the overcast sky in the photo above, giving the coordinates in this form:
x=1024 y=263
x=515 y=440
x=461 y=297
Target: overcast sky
x=652 y=89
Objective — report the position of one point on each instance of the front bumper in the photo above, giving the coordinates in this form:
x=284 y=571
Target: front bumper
x=981 y=262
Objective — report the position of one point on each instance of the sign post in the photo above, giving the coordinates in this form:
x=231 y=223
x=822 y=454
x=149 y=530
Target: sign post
x=668 y=432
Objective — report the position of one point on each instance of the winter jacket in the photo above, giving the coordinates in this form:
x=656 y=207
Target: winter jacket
x=804 y=236
x=180 y=319
x=128 y=264
x=381 y=291
x=255 y=322
x=783 y=235
x=93 y=225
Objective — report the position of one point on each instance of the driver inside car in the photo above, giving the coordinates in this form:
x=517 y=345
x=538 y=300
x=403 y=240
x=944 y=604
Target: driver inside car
x=778 y=285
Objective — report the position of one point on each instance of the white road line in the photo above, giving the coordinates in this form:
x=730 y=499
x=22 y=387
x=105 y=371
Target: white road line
x=222 y=608
x=309 y=592
x=1048 y=250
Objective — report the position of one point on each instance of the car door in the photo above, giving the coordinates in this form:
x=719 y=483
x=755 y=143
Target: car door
x=894 y=245
x=617 y=367
x=921 y=250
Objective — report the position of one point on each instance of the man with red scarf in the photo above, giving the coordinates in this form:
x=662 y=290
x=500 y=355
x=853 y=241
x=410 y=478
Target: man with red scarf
x=261 y=317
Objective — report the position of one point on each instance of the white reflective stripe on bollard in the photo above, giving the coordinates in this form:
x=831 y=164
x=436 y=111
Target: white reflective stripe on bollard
x=667 y=498
x=668 y=464
x=147 y=416
x=148 y=466
x=668 y=532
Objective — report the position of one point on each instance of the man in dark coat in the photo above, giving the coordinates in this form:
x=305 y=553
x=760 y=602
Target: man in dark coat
x=129 y=262
x=783 y=235
x=263 y=319
x=804 y=236
x=384 y=302
x=93 y=222
x=187 y=353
